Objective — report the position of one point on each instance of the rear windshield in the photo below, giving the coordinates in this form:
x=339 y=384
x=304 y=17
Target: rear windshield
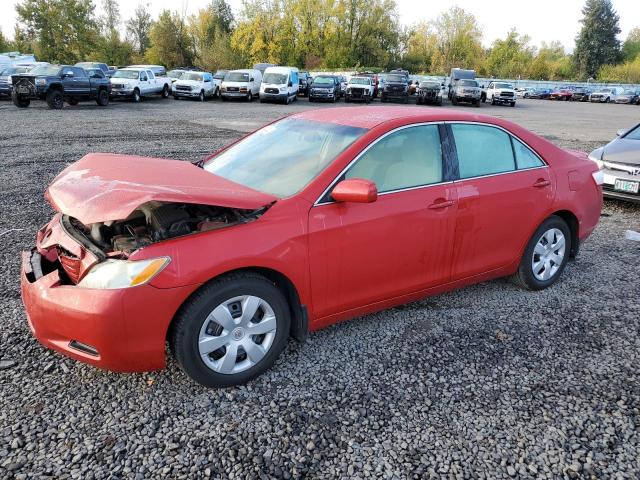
x=275 y=78
x=46 y=70
x=133 y=74
x=468 y=83
x=237 y=77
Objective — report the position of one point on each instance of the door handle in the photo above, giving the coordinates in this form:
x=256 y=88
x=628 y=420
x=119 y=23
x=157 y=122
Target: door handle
x=441 y=203
x=541 y=182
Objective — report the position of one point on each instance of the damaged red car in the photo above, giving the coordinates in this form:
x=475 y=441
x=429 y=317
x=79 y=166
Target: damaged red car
x=319 y=217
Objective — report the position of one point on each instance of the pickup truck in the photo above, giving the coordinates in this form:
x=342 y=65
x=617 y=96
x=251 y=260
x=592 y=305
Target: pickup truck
x=136 y=83
x=198 y=85
x=57 y=83
x=501 y=92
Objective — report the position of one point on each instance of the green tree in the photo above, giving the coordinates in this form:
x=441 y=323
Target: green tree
x=209 y=30
x=459 y=41
x=510 y=57
x=4 y=43
x=171 y=44
x=139 y=28
x=421 y=49
x=62 y=31
x=110 y=47
x=631 y=46
x=597 y=43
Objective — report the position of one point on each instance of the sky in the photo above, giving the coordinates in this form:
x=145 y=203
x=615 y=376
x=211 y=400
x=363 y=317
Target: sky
x=542 y=20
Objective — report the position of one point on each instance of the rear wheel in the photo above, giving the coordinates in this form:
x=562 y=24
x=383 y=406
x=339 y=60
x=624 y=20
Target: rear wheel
x=103 y=98
x=55 y=99
x=201 y=96
x=20 y=102
x=165 y=91
x=546 y=255
x=231 y=330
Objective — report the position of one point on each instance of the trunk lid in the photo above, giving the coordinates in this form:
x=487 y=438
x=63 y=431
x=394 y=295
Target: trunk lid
x=101 y=187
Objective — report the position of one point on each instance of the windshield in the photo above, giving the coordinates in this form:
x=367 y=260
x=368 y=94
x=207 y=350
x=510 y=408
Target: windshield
x=395 y=78
x=175 y=74
x=360 y=81
x=503 y=85
x=275 y=78
x=133 y=74
x=196 y=77
x=468 y=83
x=237 y=77
x=46 y=70
x=633 y=134
x=429 y=85
x=280 y=159
x=323 y=81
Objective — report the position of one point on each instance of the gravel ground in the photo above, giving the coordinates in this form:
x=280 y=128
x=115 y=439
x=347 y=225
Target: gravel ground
x=487 y=382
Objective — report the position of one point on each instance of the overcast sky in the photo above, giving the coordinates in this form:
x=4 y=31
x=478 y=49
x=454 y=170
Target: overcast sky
x=542 y=20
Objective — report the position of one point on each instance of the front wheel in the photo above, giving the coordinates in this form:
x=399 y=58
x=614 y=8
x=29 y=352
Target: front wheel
x=20 y=102
x=165 y=91
x=136 y=96
x=55 y=99
x=201 y=96
x=231 y=330
x=103 y=98
x=249 y=97
x=546 y=255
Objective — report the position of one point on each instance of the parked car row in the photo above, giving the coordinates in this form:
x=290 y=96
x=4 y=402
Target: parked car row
x=582 y=94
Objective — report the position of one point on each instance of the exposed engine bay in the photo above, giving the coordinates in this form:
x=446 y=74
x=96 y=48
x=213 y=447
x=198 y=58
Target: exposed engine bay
x=157 y=221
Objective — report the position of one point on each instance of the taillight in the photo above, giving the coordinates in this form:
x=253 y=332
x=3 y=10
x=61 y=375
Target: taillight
x=598 y=177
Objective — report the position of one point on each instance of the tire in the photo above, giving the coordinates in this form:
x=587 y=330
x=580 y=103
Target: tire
x=55 y=99
x=551 y=229
x=216 y=93
x=165 y=91
x=136 y=96
x=201 y=96
x=196 y=321
x=72 y=101
x=19 y=101
x=249 y=97
x=493 y=101
x=103 y=98
x=607 y=100
x=454 y=100
x=175 y=97
x=513 y=104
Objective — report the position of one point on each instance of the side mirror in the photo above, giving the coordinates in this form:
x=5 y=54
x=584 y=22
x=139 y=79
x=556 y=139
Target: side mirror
x=356 y=190
x=621 y=132
x=251 y=79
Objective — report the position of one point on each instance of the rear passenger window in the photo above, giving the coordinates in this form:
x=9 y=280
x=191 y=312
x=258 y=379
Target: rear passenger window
x=482 y=150
x=525 y=158
x=410 y=157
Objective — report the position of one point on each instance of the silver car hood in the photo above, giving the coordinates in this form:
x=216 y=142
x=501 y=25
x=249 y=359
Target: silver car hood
x=622 y=150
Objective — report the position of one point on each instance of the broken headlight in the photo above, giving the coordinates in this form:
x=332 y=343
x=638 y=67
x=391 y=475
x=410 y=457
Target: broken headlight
x=114 y=274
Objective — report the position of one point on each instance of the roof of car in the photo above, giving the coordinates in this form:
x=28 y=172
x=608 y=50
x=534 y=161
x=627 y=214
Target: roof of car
x=370 y=117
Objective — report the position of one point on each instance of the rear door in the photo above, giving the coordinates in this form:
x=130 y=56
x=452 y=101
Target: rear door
x=504 y=192
x=363 y=253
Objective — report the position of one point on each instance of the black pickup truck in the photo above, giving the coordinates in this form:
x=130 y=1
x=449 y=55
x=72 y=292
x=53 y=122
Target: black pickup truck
x=57 y=83
x=396 y=87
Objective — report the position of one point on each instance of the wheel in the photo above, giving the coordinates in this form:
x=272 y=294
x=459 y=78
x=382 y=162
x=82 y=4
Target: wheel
x=493 y=101
x=103 y=98
x=20 y=102
x=201 y=96
x=231 y=330
x=334 y=99
x=311 y=99
x=175 y=97
x=367 y=100
x=55 y=99
x=454 y=100
x=249 y=97
x=607 y=100
x=546 y=255
x=73 y=101
x=165 y=91
x=136 y=95
x=513 y=104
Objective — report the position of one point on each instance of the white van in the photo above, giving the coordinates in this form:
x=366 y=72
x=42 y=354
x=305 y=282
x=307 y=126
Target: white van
x=279 y=84
x=241 y=84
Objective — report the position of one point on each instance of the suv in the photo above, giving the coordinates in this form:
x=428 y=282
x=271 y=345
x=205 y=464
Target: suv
x=501 y=92
x=396 y=87
x=466 y=90
x=57 y=83
x=325 y=87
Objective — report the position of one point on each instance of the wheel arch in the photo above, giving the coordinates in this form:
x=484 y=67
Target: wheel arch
x=299 y=328
x=572 y=222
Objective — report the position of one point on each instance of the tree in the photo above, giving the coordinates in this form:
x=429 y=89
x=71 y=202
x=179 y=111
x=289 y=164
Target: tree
x=422 y=48
x=631 y=46
x=171 y=43
x=63 y=31
x=110 y=48
x=4 y=43
x=459 y=41
x=209 y=30
x=139 y=27
x=511 y=57
x=597 y=43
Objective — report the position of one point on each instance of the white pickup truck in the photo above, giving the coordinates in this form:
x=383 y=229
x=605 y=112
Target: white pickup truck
x=501 y=92
x=196 y=84
x=136 y=83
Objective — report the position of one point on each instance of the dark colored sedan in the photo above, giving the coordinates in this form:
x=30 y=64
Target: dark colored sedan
x=630 y=96
x=540 y=93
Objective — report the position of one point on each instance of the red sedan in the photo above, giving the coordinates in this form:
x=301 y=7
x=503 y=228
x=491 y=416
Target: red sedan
x=316 y=218
x=561 y=94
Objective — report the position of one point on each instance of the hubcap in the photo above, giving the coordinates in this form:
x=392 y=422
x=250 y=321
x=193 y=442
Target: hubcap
x=548 y=254
x=237 y=334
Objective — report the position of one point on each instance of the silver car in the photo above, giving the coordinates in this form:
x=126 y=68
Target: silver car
x=619 y=162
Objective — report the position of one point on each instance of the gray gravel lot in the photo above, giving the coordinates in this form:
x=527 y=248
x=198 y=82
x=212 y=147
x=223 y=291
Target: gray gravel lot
x=487 y=382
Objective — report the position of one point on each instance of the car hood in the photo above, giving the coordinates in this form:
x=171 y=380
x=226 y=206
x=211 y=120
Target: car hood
x=125 y=81
x=622 y=151
x=101 y=187
x=191 y=83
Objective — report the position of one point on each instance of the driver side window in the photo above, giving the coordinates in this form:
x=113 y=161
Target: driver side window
x=410 y=157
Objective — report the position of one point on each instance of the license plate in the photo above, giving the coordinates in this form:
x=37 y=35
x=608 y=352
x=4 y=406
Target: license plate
x=626 y=186
x=23 y=90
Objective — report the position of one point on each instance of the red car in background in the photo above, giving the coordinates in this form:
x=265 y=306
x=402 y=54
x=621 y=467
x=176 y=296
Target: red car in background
x=316 y=218
x=561 y=94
